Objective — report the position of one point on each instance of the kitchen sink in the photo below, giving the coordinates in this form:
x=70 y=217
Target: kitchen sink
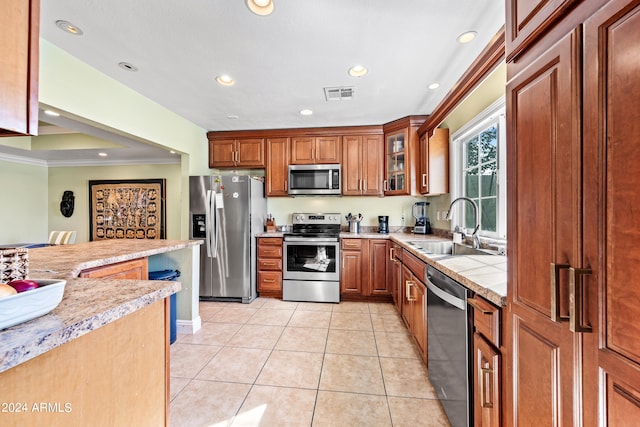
x=447 y=247
x=437 y=247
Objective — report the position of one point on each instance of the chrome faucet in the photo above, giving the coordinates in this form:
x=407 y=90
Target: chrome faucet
x=474 y=236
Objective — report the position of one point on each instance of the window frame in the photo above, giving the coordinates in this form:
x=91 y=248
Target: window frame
x=494 y=113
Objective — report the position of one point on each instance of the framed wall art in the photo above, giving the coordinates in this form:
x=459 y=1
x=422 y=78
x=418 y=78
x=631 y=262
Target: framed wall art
x=127 y=209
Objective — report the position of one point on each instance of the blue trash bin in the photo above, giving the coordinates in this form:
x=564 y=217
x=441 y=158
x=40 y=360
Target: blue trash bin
x=170 y=276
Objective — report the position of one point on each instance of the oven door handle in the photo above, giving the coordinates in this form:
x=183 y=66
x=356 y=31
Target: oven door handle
x=310 y=239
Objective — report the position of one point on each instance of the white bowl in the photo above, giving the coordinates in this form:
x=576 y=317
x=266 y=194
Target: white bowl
x=30 y=304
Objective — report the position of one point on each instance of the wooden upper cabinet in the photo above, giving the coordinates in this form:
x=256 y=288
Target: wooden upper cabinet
x=433 y=177
x=311 y=150
x=19 y=44
x=527 y=20
x=233 y=153
x=402 y=154
x=362 y=165
x=277 y=170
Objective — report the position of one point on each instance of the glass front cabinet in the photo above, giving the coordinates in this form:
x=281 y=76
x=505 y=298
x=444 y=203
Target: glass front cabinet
x=401 y=155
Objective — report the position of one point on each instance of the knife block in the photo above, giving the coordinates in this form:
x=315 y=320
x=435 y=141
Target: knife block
x=271 y=225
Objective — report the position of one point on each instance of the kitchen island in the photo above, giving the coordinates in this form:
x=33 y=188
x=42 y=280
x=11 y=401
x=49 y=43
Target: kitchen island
x=101 y=357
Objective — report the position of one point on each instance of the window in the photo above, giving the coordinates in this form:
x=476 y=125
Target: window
x=479 y=172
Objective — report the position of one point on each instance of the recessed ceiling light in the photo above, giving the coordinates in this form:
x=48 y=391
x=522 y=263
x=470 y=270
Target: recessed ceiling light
x=260 y=7
x=306 y=112
x=433 y=86
x=233 y=117
x=466 y=37
x=127 y=66
x=225 y=80
x=51 y=113
x=68 y=27
x=358 y=71
x=102 y=154
x=172 y=152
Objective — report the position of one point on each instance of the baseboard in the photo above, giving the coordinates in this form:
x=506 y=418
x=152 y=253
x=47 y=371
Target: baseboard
x=188 y=327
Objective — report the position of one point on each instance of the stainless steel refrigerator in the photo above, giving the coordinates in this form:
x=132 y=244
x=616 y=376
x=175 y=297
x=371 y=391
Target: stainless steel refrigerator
x=226 y=212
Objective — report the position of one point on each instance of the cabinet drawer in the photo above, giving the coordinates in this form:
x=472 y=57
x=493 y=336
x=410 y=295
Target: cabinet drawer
x=269 y=251
x=416 y=266
x=269 y=264
x=269 y=281
x=486 y=319
x=351 y=244
x=269 y=241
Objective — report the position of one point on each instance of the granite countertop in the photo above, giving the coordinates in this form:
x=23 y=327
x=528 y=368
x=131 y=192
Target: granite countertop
x=486 y=275
x=87 y=304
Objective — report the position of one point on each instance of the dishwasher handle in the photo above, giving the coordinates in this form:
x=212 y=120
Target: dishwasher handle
x=445 y=296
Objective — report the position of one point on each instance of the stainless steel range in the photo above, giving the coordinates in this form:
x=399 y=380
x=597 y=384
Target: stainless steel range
x=312 y=258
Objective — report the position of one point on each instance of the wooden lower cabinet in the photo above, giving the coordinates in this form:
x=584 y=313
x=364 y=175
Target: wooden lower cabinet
x=486 y=362
x=414 y=309
x=394 y=274
x=269 y=276
x=363 y=264
x=135 y=269
x=487 y=383
x=116 y=375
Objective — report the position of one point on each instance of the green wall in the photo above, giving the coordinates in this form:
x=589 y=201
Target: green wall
x=23 y=203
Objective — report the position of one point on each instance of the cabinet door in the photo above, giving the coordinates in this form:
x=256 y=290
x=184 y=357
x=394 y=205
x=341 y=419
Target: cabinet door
x=19 y=44
x=394 y=275
x=486 y=384
x=303 y=150
x=396 y=163
x=378 y=255
x=135 y=269
x=434 y=163
x=543 y=225
x=419 y=313
x=351 y=166
x=250 y=153
x=328 y=149
x=405 y=294
x=612 y=210
x=277 y=167
x=527 y=19
x=351 y=275
x=222 y=153
x=372 y=168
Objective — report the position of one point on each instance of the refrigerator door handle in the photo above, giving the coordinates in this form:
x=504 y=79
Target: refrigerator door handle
x=211 y=224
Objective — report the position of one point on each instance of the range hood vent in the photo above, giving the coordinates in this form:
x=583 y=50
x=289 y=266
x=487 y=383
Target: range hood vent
x=339 y=93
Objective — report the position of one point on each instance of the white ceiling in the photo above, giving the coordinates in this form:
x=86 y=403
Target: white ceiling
x=281 y=62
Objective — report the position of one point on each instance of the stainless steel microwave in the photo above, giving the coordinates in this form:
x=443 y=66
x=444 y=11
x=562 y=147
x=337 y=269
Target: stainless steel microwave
x=319 y=180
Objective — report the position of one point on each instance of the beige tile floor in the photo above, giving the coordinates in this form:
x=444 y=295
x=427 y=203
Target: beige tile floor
x=278 y=363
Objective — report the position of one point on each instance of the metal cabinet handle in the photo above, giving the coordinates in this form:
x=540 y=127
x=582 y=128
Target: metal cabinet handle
x=424 y=179
x=385 y=185
x=286 y=186
x=391 y=253
x=486 y=373
x=409 y=284
x=364 y=185
x=555 y=291
x=476 y=307
x=576 y=300
x=268 y=280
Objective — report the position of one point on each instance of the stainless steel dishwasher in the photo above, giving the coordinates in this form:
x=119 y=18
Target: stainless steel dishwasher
x=449 y=326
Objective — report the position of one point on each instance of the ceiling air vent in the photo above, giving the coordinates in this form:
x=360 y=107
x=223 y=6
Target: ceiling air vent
x=339 y=93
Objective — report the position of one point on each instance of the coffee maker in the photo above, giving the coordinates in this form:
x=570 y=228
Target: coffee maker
x=422 y=225
x=383 y=224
